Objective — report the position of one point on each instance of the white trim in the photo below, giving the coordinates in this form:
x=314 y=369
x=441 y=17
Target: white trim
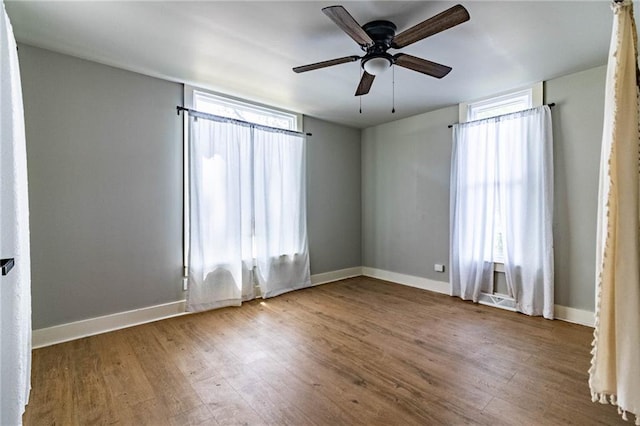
x=496 y=305
x=497 y=300
x=240 y=102
x=535 y=92
x=562 y=313
x=103 y=324
x=408 y=280
x=329 y=277
x=463 y=112
x=92 y=326
x=576 y=316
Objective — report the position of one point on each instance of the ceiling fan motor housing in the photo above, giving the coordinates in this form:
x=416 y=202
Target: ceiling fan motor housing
x=382 y=33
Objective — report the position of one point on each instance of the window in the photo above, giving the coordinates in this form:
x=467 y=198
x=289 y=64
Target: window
x=500 y=105
x=491 y=107
x=245 y=201
x=224 y=106
x=252 y=113
x=214 y=169
x=241 y=110
x=502 y=204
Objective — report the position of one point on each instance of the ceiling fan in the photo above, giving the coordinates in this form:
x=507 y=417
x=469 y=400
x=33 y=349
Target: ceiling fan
x=376 y=37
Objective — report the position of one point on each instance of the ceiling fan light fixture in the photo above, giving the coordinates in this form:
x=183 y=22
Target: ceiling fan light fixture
x=377 y=65
x=375 y=38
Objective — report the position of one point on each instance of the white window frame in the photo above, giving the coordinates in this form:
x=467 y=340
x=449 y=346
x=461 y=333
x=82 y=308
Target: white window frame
x=193 y=94
x=504 y=103
x=518 y=100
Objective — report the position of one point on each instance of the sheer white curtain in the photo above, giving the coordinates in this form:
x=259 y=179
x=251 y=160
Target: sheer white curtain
x=502 y=175
x=220 y=251
x=474 y=195
x=280 y=213
x=247 y=204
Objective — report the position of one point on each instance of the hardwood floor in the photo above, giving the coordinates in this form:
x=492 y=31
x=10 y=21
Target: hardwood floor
x=355 y=352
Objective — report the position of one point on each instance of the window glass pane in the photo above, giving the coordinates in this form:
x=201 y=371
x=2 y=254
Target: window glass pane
x=499 y=105
x=238 y=110
x=494 y=111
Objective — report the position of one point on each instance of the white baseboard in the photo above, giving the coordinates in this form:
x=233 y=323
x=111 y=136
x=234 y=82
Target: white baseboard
x=92 y=326
x=563 y=313
x=408 y=280
x=576 y=316
x=332 y=276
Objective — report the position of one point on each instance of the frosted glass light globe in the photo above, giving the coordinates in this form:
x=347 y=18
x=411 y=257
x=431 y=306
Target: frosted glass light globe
x=376 y=66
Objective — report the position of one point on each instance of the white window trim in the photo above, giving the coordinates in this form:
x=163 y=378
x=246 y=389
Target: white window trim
x=189 y=103
x=535 y=91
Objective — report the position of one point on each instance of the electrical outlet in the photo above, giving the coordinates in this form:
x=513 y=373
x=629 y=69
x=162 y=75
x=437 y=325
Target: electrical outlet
x=438 y=267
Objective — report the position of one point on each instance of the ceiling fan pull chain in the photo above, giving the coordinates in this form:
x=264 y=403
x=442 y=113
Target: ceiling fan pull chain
x=359 y=78
x=393 y=90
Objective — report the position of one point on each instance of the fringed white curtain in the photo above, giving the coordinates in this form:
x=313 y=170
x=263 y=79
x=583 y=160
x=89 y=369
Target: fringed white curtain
x=614 y=376
x=15 y=287
x=502 y=170
x=247 y=213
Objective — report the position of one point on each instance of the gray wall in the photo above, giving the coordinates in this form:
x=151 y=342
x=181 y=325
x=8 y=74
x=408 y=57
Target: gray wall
x=405 y=194
x=577 y=131
x=105 y=191
x=104 y=156
x=104 y=151
x=405 y=184
x=333 y=196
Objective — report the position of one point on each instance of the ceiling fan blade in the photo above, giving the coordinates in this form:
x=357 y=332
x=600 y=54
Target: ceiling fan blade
x=421 y=65
x=324 y=64
x=345 y=21
x=365 y=84
x=440 y=22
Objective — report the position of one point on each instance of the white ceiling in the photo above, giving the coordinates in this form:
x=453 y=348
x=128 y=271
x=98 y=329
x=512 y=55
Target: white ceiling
x=247 y=48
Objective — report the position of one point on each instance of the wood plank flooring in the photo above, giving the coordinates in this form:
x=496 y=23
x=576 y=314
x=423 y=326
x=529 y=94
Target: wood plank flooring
x=355 y=352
